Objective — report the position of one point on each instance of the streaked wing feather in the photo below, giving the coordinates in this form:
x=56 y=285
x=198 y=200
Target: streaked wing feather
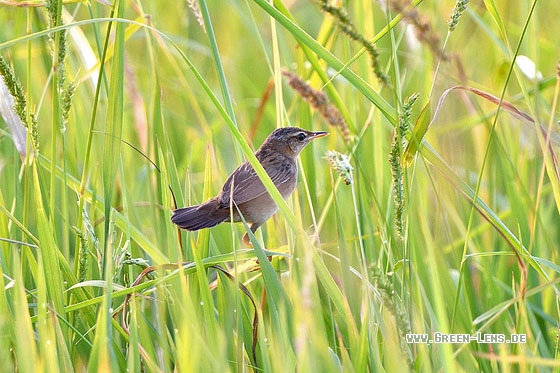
x=248 y=186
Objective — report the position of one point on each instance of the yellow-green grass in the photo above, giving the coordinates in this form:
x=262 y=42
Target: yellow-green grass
x=171 y=108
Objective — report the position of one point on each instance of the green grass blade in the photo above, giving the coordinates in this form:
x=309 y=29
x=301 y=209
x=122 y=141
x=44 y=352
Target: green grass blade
x=103 y=355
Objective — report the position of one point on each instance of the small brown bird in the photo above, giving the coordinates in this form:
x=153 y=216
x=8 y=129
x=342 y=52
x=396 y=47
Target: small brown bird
x=278 y=156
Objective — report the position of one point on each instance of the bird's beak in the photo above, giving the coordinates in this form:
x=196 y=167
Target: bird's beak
x=314 y=135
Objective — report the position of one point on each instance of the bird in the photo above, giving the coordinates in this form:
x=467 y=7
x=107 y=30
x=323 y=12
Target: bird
x=244 y=190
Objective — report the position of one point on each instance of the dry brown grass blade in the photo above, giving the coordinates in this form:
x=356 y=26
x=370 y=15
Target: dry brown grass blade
x=260 y=110
x=506 y=105
x=510 y=108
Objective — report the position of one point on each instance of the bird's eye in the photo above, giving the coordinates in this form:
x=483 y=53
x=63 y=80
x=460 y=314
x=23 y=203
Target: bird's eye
x=301 y=136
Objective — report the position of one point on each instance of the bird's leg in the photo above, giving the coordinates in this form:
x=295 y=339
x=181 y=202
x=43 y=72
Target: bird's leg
x=246 y=239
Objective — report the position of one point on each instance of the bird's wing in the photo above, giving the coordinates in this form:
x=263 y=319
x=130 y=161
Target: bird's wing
x=248 y=186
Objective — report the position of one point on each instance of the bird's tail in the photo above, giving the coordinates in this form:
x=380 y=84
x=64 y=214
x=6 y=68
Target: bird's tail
x=198 y=217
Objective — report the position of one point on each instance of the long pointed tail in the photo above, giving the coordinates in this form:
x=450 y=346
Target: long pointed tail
x=198 y=217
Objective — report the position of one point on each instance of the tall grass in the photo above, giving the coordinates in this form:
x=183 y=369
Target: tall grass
x=447 y=223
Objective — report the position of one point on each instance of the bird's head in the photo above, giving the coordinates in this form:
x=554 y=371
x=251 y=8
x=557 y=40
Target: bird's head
x=291 y=140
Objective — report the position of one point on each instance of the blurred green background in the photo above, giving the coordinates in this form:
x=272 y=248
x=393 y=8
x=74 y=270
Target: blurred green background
x=171 y=96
